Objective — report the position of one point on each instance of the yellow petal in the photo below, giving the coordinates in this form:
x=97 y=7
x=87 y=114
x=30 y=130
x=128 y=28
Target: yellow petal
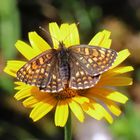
x=95 y=41
x=38 y=43
x=118 y=70
x=13 y=66
x=91 y=111
x=19 y=83
x=77 y=110
x=42 y=108
x=122 y=70
x=74 y=35
x=104 y=113
x=84 y=102
x=114 y=109
x=107 y=116
x=61 y=113
x=55 y=34
x=98 y=108
x=101 y=39
x=118 y=97
x=30 y=102
x=64 y=34
x=23 y=93
x=69 y=34
x=19 y=87
x=80 y=99
x=122 y=55
x=106 y=42
x=8 y=71
x=109 y=94
x=26 y=50
x=115 y=81
x=110 y=104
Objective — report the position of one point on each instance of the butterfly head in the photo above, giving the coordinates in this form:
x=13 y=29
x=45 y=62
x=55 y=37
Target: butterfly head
x=61 y=47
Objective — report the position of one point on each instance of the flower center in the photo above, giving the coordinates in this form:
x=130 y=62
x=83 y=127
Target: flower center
x=66 y=93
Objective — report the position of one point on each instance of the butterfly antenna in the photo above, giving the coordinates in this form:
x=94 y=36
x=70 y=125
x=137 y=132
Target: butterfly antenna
x=50 y=36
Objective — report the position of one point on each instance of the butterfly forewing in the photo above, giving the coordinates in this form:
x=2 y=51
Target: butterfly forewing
x=35 y=71
x=79 y=78
x=95 y=60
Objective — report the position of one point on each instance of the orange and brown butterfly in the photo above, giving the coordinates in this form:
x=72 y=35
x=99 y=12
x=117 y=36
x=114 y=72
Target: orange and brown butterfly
x=76 y=67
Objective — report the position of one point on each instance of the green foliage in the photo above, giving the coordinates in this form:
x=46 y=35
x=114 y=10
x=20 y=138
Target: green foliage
x=9 y=33
x=127 y=126
x=7 y=131
x=9 y=25
x=88 y=17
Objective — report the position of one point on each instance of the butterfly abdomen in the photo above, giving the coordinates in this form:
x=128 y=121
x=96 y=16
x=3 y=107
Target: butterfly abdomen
x=64 y=68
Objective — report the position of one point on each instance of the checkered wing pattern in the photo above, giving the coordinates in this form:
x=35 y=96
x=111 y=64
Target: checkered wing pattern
x=55 y=83
x=42 y=72
x=92 y=59
x=79 y=78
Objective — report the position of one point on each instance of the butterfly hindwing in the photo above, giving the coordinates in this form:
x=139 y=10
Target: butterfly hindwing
x=55 y=84
x=79 y=78
x=95 y=60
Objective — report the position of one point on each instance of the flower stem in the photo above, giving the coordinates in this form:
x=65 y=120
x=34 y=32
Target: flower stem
x=67 y=128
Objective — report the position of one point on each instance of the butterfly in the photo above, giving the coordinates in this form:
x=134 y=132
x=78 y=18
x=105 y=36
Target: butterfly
x=77 y=67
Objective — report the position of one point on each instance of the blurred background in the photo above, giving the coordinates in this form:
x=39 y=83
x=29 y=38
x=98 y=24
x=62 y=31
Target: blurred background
x=18 y=17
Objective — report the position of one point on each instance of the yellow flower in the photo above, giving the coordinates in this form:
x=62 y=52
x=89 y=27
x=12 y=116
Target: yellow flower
x=91 y=101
